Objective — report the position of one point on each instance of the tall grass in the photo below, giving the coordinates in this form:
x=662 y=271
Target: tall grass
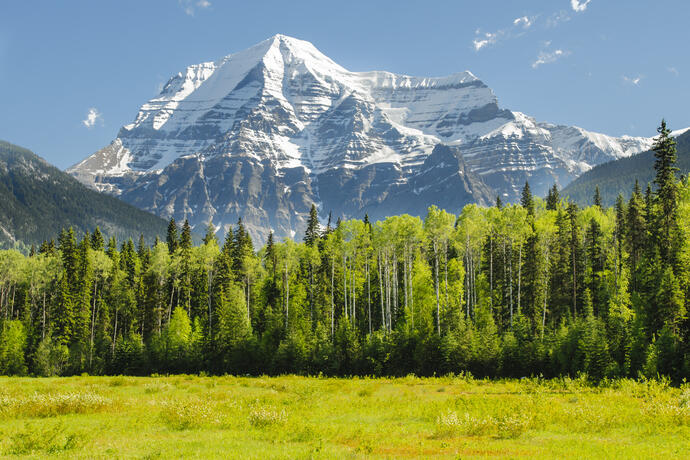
x=298 y=417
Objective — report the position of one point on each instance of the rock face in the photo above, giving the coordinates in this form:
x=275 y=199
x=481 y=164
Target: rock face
x=264 y=133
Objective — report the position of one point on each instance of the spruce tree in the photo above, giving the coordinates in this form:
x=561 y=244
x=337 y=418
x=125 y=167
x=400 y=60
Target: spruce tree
x=666 y=196
x=619 y=234
x=311 y=235
x=499 y=203
x=210 y=234
x=636 y=233
x=171 y=238
x=527 y=201
x=597 y=197
x=97 y=240
x=553 y=198
x=186 y=236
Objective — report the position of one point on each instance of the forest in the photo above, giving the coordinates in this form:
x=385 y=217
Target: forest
x=539 y=288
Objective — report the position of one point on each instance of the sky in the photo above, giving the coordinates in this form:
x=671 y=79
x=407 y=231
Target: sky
x=73 y=72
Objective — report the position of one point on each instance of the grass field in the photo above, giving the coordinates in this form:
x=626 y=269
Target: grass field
x=299 y=417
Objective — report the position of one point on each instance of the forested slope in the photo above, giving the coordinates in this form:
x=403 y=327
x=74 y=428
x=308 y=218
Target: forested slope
x=618 y=176
x=37 y=200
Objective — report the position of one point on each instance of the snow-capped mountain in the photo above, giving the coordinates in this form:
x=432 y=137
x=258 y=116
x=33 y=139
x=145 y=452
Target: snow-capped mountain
x=264 y=133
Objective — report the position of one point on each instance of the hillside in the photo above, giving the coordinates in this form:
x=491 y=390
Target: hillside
x=618 y=176
x=37 y=200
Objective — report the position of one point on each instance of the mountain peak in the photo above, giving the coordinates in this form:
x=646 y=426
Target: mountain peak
x=265 y=132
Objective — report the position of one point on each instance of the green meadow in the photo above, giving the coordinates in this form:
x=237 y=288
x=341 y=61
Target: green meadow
x=311 y=417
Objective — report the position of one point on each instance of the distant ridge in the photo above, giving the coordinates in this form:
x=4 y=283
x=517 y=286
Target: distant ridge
x=619 y=176
x=37 y=200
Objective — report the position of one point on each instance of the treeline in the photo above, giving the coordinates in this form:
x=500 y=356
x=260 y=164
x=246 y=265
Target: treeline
x=542 y=287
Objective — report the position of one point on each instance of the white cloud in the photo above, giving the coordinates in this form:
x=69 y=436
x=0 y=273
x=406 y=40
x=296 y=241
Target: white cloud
x=517 y=29
x=524 y=21
x=488 y=39
x=547 y=57
x=92 y=117
x=635 y=81
x=673 y=70
x=579 y=5
x=189 y=6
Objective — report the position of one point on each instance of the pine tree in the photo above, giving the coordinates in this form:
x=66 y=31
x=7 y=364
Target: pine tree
x=64 y=314
x=311 y=235
x=670 y=303
x=666 y=197
x=553 y=198
x=499 y=203
x=210 y=234
x=171 y=238
x=527 y=201
x=575 y=253
x=595 y=257
x=619 y=234
x=186 y=236
x=635 y=233
x=597 y=197
x=97 y=240
x=329 y=228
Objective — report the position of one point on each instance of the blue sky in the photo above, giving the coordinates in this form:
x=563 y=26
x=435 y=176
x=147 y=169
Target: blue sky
x=73 y=72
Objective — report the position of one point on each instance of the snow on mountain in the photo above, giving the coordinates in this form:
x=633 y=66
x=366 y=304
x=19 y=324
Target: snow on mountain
x=263 y=133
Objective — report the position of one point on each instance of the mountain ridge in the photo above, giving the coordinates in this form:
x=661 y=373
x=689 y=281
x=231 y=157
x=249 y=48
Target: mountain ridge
x=284 y=122
x=37 y=200
x=618 y=176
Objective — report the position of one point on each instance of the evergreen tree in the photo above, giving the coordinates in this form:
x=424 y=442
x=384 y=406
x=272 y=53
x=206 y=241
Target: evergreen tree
x=172 y=238
x=311 y=235
x=666 y=197
x=97 y=240
x=186 y=237
x=636 y=233
x=210 y=236
x=553 y=198
x=597 y=197
x=527 y=201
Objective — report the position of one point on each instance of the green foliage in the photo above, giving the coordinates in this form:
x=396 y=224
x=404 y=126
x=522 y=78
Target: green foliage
x=12 y=348
x=51 y=358
x=542 y=288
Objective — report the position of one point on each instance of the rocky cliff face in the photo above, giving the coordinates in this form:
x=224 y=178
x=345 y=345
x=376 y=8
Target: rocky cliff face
x=264 y=133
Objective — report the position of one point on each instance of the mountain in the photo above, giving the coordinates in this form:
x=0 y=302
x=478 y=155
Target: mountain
x=618 y=176
x=37 y=200
x=264 y=133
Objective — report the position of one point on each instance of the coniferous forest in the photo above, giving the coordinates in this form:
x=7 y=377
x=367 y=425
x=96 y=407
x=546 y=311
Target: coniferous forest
x=537 y=288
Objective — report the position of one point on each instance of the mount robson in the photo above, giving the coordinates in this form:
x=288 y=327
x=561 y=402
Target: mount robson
x=264 y=133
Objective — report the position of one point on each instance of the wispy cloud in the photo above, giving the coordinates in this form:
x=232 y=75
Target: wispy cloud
x=92 y=117
x=579 y=5
x=547 y=56
x=523 y=21
x=485 y=40
x=516 y=29
x=190 y=6
x=635 y=81
x=673 y=70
